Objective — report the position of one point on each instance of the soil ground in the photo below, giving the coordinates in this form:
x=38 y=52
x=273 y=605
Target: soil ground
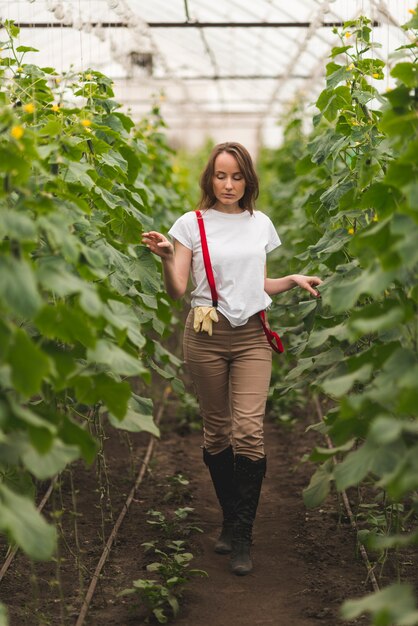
x=305 y=563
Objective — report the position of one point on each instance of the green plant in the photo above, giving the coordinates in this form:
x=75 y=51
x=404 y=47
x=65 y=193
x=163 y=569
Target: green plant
x=173 y=524
x=172 y=568
x=176 y=489
x=393 y=605
x=156 y=598
x=351 y=190
x=81 y=305
x=173 y=564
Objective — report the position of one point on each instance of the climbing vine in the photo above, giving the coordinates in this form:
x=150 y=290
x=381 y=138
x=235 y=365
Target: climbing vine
x=81 y=305
x=345 y=201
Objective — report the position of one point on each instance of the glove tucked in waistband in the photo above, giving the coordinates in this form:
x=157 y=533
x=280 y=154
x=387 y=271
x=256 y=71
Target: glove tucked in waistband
x=203 y=318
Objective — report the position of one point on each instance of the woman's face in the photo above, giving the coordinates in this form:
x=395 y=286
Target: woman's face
x=228 y=181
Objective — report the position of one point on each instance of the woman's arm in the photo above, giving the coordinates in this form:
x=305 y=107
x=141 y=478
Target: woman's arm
x=176 y=260
x=273 y=286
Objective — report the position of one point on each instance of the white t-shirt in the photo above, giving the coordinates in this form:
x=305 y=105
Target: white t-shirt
x=238 y=244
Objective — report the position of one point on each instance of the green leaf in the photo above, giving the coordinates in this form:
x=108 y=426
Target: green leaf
x=336 y=74
x=79 y=173
x=22 y=523
x=52 y=462
x=382 y=198
x=123 y=316
x=325 y=145
x=380 y=543
x=401 y=476
x=73 y=433
x=115 y=359
x=331 y=101
x=53 y=276
x=319 y=486
x=331 y=196
x=138 y=418
x=16 y=226
x=339 y=386
x=392 y=605
x=385 y=430
x=339 y=50
x=330 y=242
x=29 y=364
x=65 y=322
x=343 y=291
x=322 y=454
x=26 y=49
x=354 y=467
x=5 y=338
x=378 y=317
x=3 y=616
x=30 y=417
x=319 y=337
x=144 y=269
x=100 y=387
x=407 y=73
x=12 y=28
x=18 y=289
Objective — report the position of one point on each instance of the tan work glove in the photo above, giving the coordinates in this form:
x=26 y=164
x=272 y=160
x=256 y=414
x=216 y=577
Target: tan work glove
x=203 y=318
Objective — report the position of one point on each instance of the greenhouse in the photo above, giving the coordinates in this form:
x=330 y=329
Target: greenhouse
x=208 y=312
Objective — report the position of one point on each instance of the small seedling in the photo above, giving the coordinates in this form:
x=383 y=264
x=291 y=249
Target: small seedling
x=173 y=566
x=175 y=525
x=157 y=598
x=176 y=489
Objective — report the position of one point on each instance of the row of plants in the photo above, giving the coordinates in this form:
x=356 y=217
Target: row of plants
x=82 y=312
x=344 y=198
x=161 y=596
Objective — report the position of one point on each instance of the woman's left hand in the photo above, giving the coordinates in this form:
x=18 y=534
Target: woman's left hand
x=308 y=283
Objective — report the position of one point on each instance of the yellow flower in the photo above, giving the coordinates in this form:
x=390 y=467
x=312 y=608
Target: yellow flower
x=411 y=11
x=89 y=76
x=17 y=132
x=57 y=80
x=347 y=34
x=375 y=218
x=86 y=123
x=351 y=231
x=350 y=67
x=19 y=69
x=55 y=107
x=29 y=108
x=375 y=75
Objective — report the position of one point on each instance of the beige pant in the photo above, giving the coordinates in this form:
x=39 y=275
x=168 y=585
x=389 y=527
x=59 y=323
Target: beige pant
x=231 y=374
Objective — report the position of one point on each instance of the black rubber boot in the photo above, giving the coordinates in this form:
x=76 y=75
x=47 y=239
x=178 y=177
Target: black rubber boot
x=221 y=468
x=249 y=476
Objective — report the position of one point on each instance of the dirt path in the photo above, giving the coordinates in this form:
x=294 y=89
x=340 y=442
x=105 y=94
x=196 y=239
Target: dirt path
x=304 y=564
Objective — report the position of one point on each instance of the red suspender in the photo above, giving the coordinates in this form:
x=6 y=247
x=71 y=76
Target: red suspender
x=272 y=337
x=206 y=259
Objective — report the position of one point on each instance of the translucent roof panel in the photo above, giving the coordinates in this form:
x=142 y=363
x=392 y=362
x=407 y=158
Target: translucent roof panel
x=227 y=69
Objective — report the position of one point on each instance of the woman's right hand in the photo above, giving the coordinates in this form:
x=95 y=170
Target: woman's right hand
x=158 y=244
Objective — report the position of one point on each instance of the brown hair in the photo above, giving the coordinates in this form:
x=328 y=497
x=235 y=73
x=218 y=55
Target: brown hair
x=246 y=167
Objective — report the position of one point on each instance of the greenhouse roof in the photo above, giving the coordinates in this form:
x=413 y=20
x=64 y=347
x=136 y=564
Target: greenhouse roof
x=227 y=69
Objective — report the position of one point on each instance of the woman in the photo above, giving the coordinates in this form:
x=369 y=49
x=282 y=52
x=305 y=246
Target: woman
x=230 y=364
